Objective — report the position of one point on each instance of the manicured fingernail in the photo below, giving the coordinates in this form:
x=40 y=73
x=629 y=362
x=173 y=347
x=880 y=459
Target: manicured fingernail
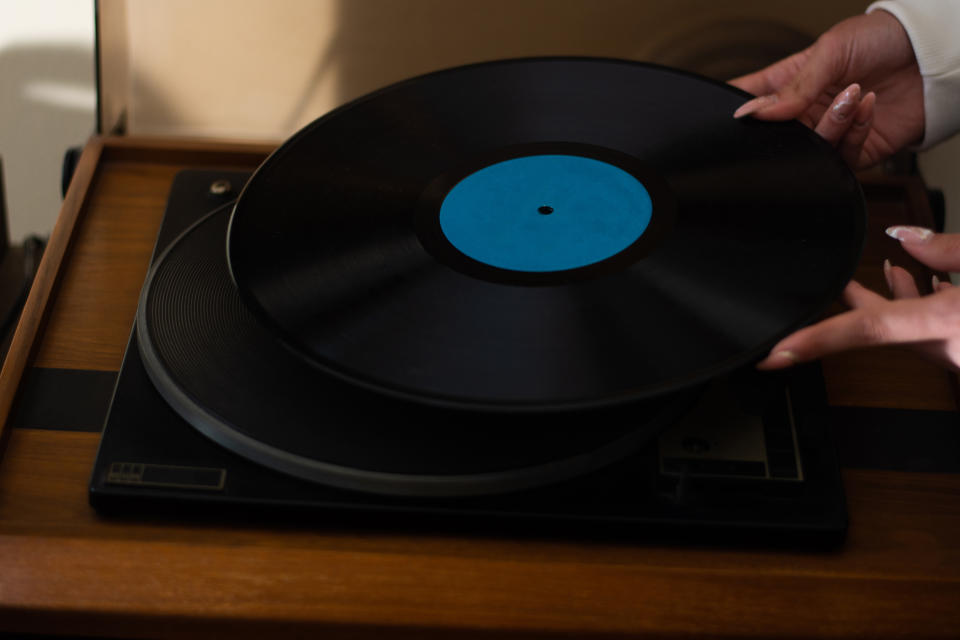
x=786 y=354
x=847 y=103
x=755 y=105
x=778 y=360
x=887 y=268
x=905 y=233
x=935 y=281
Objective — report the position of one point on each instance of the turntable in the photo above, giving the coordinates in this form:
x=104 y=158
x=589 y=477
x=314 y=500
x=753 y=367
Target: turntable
x=358 y=329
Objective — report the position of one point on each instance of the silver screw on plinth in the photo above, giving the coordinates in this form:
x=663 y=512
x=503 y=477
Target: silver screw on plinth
x=220 y=187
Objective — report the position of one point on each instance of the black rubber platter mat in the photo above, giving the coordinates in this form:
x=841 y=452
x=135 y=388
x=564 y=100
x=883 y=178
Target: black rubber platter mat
x=229 y=377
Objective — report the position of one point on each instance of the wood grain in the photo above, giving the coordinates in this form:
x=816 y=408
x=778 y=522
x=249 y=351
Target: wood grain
x=45 y=281
x=187 y=152
x=90 y=320
x=44 y=485
x=80 y=317
x=898 y=572
x=151 y=586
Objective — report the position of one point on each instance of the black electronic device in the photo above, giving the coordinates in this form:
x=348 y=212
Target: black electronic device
x=516 y=294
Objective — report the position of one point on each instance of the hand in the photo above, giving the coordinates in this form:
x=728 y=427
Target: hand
x=930 y=324
x=858 y=86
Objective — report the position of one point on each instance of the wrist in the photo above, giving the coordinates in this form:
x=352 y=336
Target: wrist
x=930 y=27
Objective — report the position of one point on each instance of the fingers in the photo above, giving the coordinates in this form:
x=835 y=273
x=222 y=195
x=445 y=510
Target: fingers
x=937 y=285
x=815 y=69
x=756 y=83
x=888 y=322
x=845 y=331
x=845 y=124
x=899 y=281
x=873 y=321
x=759 y=104
x=940 y=251
x=837 y=119
x=825 y=337
x=857 y=296
x=851 y=145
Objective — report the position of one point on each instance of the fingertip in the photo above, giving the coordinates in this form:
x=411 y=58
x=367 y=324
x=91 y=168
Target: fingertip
x=853 y=285
x=780 y=359
x=741 y=82
x=855 y=295
x=855 y=289
x=902 y=284
x=851 y=144
x=939 y=285
x=846 y=103
x=908 y=234
x=938 y=251
x=755 y=105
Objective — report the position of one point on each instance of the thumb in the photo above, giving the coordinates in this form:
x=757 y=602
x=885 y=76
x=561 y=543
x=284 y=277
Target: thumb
x=940 y=251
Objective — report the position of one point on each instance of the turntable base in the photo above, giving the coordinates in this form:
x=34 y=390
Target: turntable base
x=193 y=575
x=383 y=462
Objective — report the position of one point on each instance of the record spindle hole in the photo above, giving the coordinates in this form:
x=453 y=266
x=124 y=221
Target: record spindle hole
x=545 y=210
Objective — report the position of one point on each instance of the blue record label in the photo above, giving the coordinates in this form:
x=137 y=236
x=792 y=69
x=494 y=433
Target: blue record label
x=545 y=213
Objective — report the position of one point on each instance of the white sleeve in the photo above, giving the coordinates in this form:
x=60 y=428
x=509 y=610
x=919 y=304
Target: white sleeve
x=934 y=30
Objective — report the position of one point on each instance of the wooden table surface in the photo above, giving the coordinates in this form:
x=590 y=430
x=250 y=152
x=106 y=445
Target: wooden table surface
x=66 y=570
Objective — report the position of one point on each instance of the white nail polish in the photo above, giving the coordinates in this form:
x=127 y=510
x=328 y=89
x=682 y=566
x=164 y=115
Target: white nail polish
x=887 y=269
x=788 y=355
x=905 y=233
x=935 y=281
x=847 y=102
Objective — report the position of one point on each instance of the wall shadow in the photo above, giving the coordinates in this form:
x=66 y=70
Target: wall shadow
x=36 y=128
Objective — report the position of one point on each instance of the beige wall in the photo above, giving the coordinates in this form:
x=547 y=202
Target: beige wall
x=260 y=70
x=47 y=103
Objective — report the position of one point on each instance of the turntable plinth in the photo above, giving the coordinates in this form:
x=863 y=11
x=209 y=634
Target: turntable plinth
x=64 y=570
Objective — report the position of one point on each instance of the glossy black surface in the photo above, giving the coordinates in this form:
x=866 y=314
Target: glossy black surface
x=324 y=247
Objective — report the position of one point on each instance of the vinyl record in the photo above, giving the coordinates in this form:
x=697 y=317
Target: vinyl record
x=543 y=234
x=249 y=393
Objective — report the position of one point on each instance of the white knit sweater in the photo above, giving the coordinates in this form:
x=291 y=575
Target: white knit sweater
x=934 y=30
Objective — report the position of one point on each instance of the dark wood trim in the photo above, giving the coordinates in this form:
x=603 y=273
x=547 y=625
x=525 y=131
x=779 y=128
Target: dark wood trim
x=193 y=151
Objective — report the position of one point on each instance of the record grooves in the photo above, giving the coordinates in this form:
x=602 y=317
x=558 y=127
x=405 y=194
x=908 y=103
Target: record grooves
x=338 y=243
x=252 y=395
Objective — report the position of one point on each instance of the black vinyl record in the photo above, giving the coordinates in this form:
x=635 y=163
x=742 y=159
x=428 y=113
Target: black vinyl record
x=230 y=378
x=543 y=234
